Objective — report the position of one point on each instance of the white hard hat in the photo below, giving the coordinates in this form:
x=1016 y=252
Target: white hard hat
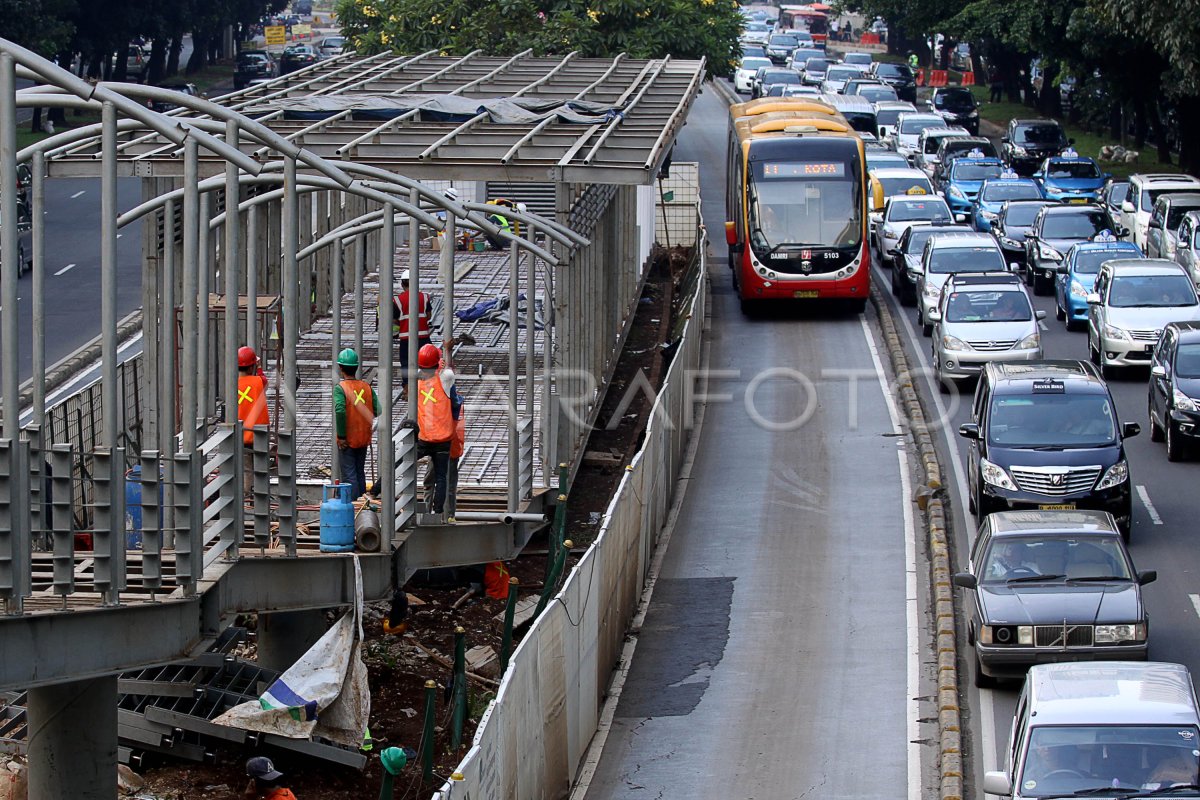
x=522 y=207
x=451 y=193
x=404 y=275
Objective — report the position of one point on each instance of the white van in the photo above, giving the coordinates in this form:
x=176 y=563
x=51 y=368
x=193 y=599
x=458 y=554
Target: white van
x=1084 y=727
x=1144 y=189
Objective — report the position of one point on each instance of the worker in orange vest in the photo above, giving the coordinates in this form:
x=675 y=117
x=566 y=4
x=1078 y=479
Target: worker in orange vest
x=265 y=781
x=400 y=321
x=355 y=407
x=438 y=409
x=252 y=409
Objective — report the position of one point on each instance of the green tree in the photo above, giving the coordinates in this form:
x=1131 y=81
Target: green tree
x=640 y=28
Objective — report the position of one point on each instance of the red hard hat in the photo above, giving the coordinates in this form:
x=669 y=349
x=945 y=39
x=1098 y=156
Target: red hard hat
x=247 y=357
x=428 y=356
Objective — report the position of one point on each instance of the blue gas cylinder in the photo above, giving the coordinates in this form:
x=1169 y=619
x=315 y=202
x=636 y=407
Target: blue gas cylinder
x=133 y=507
x=337 y=518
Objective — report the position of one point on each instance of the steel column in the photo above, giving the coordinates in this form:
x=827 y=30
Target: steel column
x=191 y=245
x=335 y=306
x=291 y=288
x=252 y=277
x=447 y=264
x=231 y=275
x=167 y=442
x=108 y=278
x=360 y=271
x=79 y=718
x=414 y=305
x=10 y=383
x=530 y=322
x=39 y=286
x=514 y=320
x=204 y=286
x=62 y=521
x=387 y=470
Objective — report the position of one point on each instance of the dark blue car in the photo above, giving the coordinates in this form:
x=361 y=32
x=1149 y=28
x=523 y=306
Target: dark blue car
x=1077 y=275
x=995 y=192
x=1070 y=178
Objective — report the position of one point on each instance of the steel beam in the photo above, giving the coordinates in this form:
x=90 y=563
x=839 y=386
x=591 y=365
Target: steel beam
x=10 y=383
x=79 y=717
x=108 y=280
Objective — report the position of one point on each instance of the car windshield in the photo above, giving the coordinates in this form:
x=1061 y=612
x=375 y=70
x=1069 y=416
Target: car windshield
x=918 y=210
x=858 y=58
x=1087 y=262
x=1151 y=291
x=946 y=260
x=1067 y=760
x=333 y=41
x=961 y=100
x=756 y=27
x=1118 y=193
x=1148 y=196
x=1074 y=557
x=784 y=40
x=841 y=73
x=974 y=172
x=1075 y=225
x=804 y=54
x=914 y=185
x=755 y=63
x=1040 y=134
x=1177 y=212
x=999 y=192
x=1073 y=169
x=1021 y=215
x=884 y=116
x=893 y=71
x=918 y=236
x=979 y=306
x=805 y=204
x=816 y=65
x=877 y=93
x=912 y=127
x=780 y=76
x=884 y=159
x=1051 y=420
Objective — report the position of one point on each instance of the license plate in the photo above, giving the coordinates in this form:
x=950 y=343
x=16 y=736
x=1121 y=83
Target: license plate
x=1057 y=507
x=1078 y=200
x=806 y=294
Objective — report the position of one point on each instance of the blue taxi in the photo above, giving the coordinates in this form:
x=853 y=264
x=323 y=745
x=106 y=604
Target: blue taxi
x=964 y=177
x=1070 y=178
x=995 y=192
x=1077 y=275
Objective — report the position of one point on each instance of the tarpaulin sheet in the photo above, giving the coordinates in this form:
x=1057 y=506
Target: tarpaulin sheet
x=441 y=108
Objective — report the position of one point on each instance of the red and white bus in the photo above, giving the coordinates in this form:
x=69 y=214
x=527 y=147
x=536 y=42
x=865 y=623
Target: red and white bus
x=796 y=203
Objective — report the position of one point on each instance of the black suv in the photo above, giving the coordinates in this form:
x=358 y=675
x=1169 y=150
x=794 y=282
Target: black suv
x=1175 y=388
x=957 y=106
x=253 y=65
x=1045 y=435
x=898 y=76
x=1029 y=142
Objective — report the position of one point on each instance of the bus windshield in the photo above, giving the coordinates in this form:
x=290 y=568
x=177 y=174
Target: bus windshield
x=805 y=204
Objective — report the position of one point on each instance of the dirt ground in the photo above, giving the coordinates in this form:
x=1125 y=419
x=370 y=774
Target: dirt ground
x=397 y=667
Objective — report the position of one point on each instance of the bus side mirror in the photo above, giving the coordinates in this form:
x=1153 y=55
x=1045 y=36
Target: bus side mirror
x=730 y=233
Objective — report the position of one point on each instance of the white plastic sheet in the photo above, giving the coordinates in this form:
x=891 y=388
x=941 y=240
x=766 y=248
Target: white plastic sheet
x=325 y=693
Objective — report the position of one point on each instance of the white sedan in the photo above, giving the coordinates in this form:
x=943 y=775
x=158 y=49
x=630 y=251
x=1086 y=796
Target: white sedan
x=900 y=212
x=743 y=79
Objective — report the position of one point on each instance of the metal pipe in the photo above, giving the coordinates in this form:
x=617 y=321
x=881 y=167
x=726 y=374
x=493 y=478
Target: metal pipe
x=360 y=269
x=191 y=233
x=108 y=278
x=514 y=456
x=447 y=263
x=204 y=267
x=231 y=275
x=335 y=293
x=252 y=277
x=530 y=320
x=414 y=308
x=291 y=291
x=387 y=457
x=39 y=290
x=10 y=384
x=508 y=518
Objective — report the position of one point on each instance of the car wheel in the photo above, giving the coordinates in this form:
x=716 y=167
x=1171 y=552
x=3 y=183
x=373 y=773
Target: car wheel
x=895 y=283
x=858 y=306
x=1028 y=275
x=1059 y=314
x=926 y=329
x=1156 y=431
x=1175 y=447
x=1041 y=286
x=1107 y=371
x=983 y=680
x=1073 y=325
x=1093 y=353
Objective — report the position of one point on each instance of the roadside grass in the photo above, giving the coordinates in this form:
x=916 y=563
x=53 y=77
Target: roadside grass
x=1086 y=142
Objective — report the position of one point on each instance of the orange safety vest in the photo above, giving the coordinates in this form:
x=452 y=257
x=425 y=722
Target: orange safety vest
x=360 y=412
x=422 y=315
x=279 y=793
x=252 y=405
x=459 y=442
x=435 y=418
x=495 y=580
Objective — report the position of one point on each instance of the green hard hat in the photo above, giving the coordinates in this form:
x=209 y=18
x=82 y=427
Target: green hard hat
x=393 y=759
x=348 y=358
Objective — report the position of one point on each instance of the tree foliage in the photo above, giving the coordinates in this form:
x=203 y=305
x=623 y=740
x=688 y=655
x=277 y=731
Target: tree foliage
x=640 y=28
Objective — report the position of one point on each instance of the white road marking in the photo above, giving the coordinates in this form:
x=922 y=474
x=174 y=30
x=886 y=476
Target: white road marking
x=913 y=661
x=1042 y=324
x=1144 y=496
x=64 y=270
x=1195 y=603
x=77 y=194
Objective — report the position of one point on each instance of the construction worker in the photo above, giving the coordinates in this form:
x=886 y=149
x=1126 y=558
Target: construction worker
x=252 y=409
x=913 y=61
x=438 y=408
x=355 y=407
x=400 y=321
x=504 y=224
x=264 y=781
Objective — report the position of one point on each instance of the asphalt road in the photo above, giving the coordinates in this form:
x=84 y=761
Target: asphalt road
x=1162 y=537
x=73 y=268
x=779 y=656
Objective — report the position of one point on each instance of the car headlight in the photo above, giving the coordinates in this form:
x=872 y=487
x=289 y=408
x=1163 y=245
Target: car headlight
x=1051 y=190
x=995 y=475
x=954 y=343
x=932 y=291
x=1182 y=402
x=888 y=233
x=990 y=216
x=1003 y=634
x=1048 y=253
x=1017 y=150
x=1114 y=634
x=957 y=192
x=1113 y=332
x=1117 y=474
x=1030 y=342
x=1077 y=290
x=973 y=115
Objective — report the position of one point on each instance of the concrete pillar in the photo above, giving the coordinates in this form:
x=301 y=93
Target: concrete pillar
x=73 y=740
x=284 y=636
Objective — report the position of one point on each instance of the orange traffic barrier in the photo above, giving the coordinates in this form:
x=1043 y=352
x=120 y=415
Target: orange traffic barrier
x=920 y=77
x=968 y=79
x=870 y=38
x=938 y=77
